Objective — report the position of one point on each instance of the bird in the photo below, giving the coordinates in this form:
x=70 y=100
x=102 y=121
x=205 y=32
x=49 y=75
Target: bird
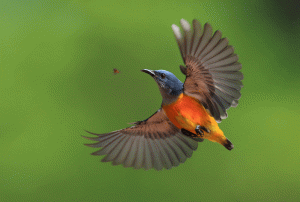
x=190 y=111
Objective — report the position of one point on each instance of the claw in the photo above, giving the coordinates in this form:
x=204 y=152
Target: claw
x=199 y=130
x=188 y=133
x=205 y=129
x=192 y=135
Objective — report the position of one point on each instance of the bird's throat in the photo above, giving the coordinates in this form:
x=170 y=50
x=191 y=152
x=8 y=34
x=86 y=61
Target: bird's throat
x=169 y=96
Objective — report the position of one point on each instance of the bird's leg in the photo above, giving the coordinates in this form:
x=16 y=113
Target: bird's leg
x=188 y=133
x=192 y=135
x=199 y=130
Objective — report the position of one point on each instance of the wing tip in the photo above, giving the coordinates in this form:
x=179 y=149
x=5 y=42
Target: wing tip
x=91 y=132
x=88 y=138
x=185 y=25
x=176 y=31
x=196 y=25
x=234 y=103
x=207 y=24
x=196 y=21
x=94 y=145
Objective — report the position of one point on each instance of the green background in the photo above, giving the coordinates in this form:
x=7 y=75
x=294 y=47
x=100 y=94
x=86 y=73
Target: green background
x=56 y=64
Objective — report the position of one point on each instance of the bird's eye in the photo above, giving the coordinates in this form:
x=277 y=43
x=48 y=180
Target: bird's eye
x=163 y=76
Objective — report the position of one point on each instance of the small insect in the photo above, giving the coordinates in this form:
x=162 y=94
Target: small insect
x=116 y=71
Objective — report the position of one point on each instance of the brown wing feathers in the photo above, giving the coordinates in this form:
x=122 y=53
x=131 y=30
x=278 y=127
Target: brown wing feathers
x=155 y=142
x=212 y=71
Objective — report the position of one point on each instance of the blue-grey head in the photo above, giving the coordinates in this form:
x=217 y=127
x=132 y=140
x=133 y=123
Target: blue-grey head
x=169 y=85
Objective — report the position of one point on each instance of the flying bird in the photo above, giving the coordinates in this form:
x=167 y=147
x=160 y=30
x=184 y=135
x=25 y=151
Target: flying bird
x=190 y=111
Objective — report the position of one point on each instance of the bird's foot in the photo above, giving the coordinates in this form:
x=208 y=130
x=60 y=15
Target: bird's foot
x=188 y=133
x=199 y=130
x=192 y=135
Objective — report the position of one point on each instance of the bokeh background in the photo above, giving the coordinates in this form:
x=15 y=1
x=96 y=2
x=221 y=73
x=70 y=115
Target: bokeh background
x=56 y=80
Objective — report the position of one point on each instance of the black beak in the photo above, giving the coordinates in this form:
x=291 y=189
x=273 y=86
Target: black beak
x=150 y=72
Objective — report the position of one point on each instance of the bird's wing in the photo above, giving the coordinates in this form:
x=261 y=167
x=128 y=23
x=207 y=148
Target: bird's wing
x=155 y=142
x=212 y=71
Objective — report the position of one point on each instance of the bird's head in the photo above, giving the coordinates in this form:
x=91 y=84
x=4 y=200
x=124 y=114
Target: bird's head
x=169 y=85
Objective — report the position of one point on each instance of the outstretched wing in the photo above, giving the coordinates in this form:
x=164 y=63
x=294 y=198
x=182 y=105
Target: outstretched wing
x=212 y=71
x=155 y=142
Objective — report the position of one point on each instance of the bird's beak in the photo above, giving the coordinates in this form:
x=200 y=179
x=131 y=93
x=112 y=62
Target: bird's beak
x=150 y=72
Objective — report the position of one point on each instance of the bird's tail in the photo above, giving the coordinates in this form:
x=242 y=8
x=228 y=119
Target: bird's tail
x=227 y=144
x=220 y=138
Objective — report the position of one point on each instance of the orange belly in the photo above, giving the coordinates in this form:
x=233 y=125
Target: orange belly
x=187 y=113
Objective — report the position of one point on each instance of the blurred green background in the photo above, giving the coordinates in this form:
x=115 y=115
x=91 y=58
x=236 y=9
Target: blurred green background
x=56 y=62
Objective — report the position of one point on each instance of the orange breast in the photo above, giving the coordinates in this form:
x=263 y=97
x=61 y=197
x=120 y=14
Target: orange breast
x=187 y=113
